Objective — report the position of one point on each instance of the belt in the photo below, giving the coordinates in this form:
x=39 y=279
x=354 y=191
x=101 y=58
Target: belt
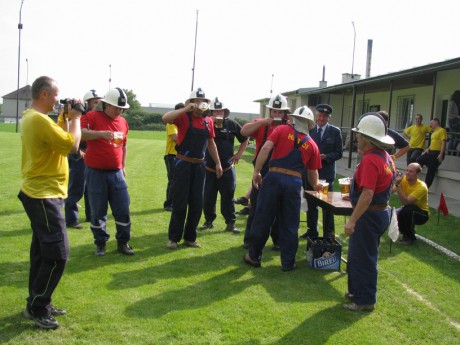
x=286 y=171
x=190 y=159
x=379 y=207
x=223 y=170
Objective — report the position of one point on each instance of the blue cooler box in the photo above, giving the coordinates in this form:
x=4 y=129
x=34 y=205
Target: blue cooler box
x=317 y=246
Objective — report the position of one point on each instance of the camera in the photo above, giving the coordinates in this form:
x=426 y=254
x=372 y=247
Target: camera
x=73 y=104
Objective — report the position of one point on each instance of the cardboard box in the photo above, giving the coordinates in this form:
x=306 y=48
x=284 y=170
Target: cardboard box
x=323 y=254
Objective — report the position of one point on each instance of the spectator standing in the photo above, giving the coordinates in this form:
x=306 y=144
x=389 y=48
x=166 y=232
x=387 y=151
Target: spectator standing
x=170 y=156
x=292 y=153
x=417 y=134
x=106 y=131
x=195 y=135
x=260 y=130
x=328 y=138
x=225 y=130
x=413 y=194
x=369 y=194
x=45 y=176
x=454 y=118
x=77 y=167
x=433 y=156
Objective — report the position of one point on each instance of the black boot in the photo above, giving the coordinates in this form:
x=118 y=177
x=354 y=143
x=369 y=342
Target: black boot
x=231 y=227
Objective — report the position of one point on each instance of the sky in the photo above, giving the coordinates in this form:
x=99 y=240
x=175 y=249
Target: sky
x=244 y=50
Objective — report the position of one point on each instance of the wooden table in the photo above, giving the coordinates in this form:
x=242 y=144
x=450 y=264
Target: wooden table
x=332 y=202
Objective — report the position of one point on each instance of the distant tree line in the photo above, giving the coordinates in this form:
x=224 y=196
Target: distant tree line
x=139 y=119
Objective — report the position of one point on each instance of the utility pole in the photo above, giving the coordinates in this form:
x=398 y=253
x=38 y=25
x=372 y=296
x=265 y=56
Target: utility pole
x=19 y=66
x=194 y=50
x=353 y=60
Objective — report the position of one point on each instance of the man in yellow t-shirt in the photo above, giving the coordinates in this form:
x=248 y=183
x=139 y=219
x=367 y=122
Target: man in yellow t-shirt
x=170 y=156
x=45 y=175
x=413 y=194
x=417 y=134
x=433 y=156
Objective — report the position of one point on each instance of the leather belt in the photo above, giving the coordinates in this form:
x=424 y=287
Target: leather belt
x=286 y=171
x=223 y=170
x=378 y=207
x=190 y=159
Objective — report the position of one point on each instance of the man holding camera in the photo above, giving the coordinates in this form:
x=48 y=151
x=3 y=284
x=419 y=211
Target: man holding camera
x=45 y=146
x=77 y=187
x=106 y=134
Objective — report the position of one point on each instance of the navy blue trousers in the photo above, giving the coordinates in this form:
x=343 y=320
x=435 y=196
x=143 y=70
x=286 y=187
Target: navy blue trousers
x=226 y=187
x=77 y=189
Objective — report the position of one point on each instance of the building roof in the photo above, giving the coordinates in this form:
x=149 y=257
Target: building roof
x=24 y=93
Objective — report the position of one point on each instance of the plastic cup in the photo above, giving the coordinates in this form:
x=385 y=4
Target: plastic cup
x=325 y=189
x=117 y=139
x=344 y=184
x=277 y=121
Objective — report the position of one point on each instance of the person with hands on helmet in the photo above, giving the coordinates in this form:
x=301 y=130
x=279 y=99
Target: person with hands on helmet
x=195 y=135
x=77 y=186
x=226 y=130
x=106 y=131
x=369 y=195
x=293 y=153
x=260 y=129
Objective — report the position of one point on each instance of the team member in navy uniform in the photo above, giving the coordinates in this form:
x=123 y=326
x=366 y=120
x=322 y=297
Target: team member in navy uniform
x=329 y=141
x=195 y=134
x=226 y=130
x=369 y=195
x=293 y=153
x=260 y=130
x=77 y=185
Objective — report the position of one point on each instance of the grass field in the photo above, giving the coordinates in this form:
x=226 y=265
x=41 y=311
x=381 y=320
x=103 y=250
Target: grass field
x=208 y=295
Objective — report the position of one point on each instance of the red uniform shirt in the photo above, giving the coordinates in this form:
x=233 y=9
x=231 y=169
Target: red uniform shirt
x=259 y=135
x=183 y=124
x=309 y=149
x=101 y=153
x=373 y=172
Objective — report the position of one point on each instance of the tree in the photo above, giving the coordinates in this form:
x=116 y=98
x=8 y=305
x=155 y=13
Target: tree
x=134 y=104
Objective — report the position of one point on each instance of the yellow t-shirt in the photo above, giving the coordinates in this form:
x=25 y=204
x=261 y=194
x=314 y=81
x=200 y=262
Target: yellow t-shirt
x=170 y=144
x=437 y=137
x=417 y=135
x=45 y=146
x=418 y=190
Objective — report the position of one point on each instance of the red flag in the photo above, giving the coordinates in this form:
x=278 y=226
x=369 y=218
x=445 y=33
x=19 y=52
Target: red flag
x=442 y=205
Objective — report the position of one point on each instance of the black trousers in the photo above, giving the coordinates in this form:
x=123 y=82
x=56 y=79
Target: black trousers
x=430 y=159
x=169 y=162
x=49 y=250
x=408 y=217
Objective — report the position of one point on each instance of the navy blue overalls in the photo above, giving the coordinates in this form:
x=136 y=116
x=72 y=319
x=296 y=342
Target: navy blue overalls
x=254 y=196
x=226 y=184
x=363 y=250
x=188 y=184
x=280 y=195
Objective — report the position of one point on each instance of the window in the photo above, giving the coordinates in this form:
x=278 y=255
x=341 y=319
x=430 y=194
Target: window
x=404 y=112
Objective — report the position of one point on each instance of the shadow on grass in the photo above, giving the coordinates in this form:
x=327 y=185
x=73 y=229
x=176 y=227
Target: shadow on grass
x=14 y=233
x=13 y=325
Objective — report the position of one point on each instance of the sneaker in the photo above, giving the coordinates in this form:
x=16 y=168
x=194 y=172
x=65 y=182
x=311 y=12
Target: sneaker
x=27 y=314
x=290 y=268
x=125 y=249
x=406 y=242
x=100 y=250
x=74 y=226
x=171 y=245
x=46 y=321
x=310 y=234
x=192 y=244
x=359 y=307
x=250 y=261
x=54 y=311
x=206 y=225
x=243 y=211
x=168 y=208
x=242 y=201
x=349 y=296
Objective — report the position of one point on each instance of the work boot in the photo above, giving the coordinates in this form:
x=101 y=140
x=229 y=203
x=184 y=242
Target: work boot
x=206 y=226
x=242 y=201
x=244 y=211
x=125 y=249
x=100 y=250
x=231 y=227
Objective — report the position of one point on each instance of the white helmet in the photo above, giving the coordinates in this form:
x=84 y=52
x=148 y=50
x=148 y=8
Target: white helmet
x=303 y=119
x=373 y=126
x=90 y=95
x=217 y=105
x=278 y=102
x=117 y=98
x=197 y=94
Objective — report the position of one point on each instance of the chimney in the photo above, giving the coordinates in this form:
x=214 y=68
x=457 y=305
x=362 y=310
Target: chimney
x=369 y=58
x=323 y=83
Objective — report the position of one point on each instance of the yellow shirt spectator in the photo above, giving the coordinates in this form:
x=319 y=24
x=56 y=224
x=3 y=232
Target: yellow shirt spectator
x=45 y=147
x=437 y=137
x=419 y=191
x=171 y=129
x=417 y=134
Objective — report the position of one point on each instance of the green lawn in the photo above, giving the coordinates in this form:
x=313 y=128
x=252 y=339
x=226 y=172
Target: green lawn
x=208 y=295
